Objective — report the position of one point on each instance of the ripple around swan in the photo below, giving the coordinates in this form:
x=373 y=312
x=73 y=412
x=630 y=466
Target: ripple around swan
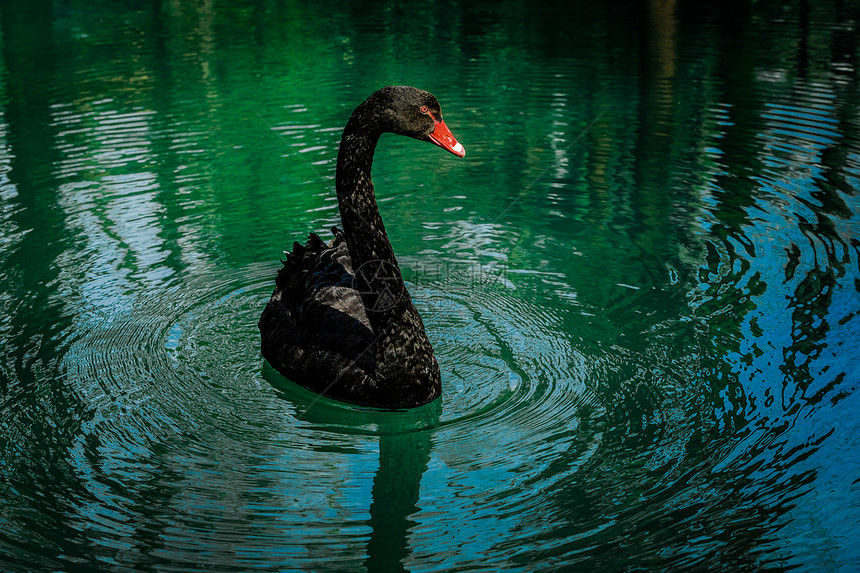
x=173 y=387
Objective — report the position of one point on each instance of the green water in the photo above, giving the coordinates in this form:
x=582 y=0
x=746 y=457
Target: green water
x=641 y=284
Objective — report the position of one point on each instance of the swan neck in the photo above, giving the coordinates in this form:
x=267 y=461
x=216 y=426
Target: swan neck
x=389 y=308
x=401 y=347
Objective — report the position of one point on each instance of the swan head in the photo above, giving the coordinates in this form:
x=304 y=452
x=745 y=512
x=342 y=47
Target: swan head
x=409 y=111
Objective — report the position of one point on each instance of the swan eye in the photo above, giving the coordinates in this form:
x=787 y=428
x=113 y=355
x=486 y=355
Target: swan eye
x=425 y=109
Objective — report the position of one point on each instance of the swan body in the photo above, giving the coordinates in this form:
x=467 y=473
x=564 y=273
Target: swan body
x=340 y=321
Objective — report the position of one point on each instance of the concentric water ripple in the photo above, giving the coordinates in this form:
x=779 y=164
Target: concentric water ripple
x=176 y=381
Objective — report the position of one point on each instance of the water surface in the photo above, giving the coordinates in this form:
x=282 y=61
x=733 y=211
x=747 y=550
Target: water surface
x=641 y=284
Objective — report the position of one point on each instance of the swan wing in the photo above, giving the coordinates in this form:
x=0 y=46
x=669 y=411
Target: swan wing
x=314 y=327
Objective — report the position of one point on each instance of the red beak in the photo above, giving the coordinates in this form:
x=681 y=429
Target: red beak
x=443 y=137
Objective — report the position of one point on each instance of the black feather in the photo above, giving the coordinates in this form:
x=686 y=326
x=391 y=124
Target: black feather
x=340 y=321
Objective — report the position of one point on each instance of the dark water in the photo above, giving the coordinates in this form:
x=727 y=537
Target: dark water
x=641 y=283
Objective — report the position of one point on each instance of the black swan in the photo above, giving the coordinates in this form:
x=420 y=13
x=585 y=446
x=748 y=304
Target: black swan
x=340 y=321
